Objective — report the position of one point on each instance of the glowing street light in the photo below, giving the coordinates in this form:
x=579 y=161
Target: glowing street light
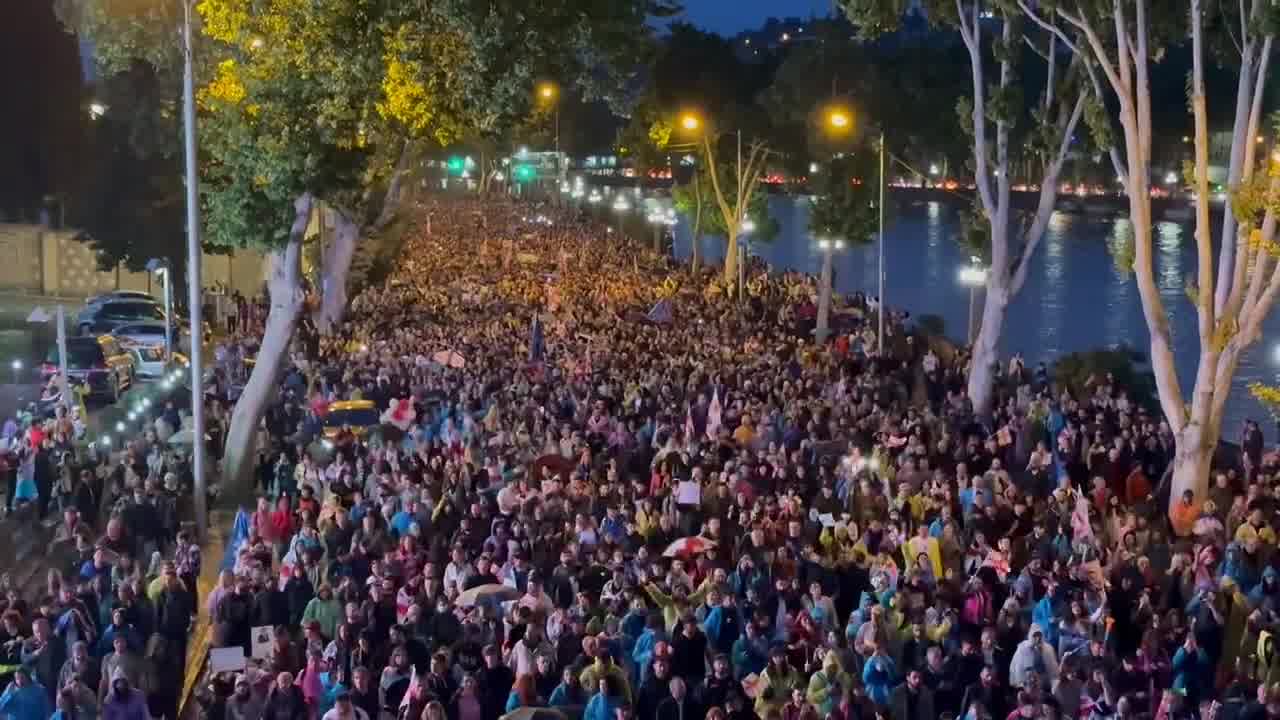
x=839 y=119
x=548 y=91
x=17 y=368
x=690 y=122
x=97 y=110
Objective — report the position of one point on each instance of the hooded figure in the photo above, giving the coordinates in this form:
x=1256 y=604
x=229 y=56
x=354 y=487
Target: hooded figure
x=24 y=699
x=1033 y=655
x=123 y=702
x=828 y=684
x=1266 y=596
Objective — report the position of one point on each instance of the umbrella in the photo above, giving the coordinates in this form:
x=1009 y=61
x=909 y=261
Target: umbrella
x=555 y=464
x=689 y=546
x=451 y=358
x=534 y=713
x=491 y=593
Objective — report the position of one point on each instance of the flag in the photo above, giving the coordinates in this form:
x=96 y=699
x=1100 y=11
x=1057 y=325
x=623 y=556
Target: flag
x=1083 y=530
x=688 y=424
x=414 y=689
x=660 y=313
x=537 y=345
x=713 y=416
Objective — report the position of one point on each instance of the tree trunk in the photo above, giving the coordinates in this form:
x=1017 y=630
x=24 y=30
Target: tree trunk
x=986 y=359
x=287 y=302
x=1191 y=463
x=731 y=260
x=333 y=281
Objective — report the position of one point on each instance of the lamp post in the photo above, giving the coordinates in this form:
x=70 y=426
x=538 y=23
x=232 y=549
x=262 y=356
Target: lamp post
x=549 y=92
x=748 y=227
x=973 y=276
x=823 y=329
x=17 y=369
x=193 y=273
x=160 y=266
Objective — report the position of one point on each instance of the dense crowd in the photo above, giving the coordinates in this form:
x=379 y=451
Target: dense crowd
x=572 y=503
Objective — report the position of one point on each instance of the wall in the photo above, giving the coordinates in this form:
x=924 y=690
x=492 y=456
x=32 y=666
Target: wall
x=49 y=262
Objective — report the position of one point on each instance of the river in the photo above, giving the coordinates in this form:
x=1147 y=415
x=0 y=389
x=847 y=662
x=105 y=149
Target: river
x=1074 y=298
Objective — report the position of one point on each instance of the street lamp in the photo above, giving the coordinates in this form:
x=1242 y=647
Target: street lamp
x=829 y=248
x=97 y=110
x=839 y=119
x=17 y=368
x=690 y=122
x=549 y=93
x=160 y=266
x=748 y=227
x=973 y=276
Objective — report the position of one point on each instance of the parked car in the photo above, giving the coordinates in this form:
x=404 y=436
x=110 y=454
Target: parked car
x=149 y=335
x=122 y=295
x=148 y=362
x=99 y=362
x=111 y=314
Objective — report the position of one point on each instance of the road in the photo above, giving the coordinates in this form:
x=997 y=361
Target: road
x=30 y=343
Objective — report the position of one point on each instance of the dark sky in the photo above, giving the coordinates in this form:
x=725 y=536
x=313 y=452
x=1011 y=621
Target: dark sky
x=729 y=17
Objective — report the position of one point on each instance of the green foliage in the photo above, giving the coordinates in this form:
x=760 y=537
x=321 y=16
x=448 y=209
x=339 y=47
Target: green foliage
x=130 y=204
x=1098 y=121
x=687 y=195
x=846 y=205
x=324 y=96
x=1080 y=372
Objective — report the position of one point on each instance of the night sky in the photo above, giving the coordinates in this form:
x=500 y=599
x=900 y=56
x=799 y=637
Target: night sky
x=729 y=17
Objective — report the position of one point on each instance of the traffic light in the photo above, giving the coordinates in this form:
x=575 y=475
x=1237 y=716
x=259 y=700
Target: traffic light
x=455 y=165
x=524 y=173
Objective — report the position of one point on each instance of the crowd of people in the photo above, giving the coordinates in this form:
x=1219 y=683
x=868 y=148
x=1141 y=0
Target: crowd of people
x=577 y=505
x=573 y=505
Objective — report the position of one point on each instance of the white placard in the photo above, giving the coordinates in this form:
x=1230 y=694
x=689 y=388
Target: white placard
x=228 y=659
x=262 y=636
x=689 y=493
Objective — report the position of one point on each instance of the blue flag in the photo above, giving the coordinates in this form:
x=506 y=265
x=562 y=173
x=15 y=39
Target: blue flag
x=537 y=345
x=661 y=312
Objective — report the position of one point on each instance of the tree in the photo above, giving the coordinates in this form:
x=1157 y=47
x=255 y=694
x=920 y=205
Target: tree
x=1121 y=38
x=846 y=210
x=129 y=202
x=329 y=102
x=991 y=117
x=847 y=200
x=692 y=199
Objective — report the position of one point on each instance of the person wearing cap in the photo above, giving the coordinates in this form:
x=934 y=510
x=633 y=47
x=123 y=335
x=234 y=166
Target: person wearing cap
x=244 y=703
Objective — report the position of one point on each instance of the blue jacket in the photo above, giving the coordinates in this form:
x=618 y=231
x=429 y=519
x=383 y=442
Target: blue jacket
x=878 y=675
x=564 y=696
x=600 y=707
x=25 y=703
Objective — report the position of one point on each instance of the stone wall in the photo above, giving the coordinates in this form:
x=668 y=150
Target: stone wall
x=52 y=262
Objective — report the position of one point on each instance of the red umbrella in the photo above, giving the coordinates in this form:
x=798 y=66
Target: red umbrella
x=695 y=545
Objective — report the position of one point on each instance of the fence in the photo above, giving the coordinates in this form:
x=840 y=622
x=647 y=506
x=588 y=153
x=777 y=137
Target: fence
x=53 y=262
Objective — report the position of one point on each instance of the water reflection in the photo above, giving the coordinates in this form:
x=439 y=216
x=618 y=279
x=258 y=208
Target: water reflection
x=1074 y=298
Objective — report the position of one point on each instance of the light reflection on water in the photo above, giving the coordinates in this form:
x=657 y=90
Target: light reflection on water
x=1074 y=298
